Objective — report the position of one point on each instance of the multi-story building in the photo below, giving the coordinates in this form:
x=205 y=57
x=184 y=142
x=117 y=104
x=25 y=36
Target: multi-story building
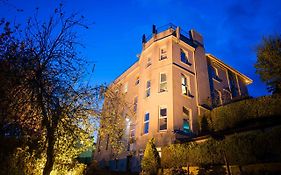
x=172 y=83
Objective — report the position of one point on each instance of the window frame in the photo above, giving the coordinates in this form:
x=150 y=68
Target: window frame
x=186 y=86
x=164 y=82
x=146 y=122
x=160 y=117
x=186 y=118
x=163 y=55
x=148 y=89
x=186 y=56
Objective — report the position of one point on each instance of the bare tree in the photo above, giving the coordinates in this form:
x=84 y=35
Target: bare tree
x=47 y=98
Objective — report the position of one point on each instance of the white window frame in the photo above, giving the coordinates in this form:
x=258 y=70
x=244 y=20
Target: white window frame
x=161 y=117
x=164 y=82
x=186 y=86
x=185 y=117
x=147 y=89
x=146 y=121
x=163 y=55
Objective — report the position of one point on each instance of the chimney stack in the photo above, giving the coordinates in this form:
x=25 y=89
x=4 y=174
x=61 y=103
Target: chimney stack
x=154 y=31
x=196 y=37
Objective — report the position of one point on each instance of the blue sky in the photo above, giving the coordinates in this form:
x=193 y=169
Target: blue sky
x=231 y=29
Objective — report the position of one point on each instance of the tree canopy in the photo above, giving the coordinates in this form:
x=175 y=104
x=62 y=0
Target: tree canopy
x=46 y=110
x=268 y=63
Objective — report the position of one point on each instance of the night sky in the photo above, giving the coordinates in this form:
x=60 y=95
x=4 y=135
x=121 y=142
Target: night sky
x=231 y=29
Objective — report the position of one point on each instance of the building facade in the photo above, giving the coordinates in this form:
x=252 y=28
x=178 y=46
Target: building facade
x=172 y=83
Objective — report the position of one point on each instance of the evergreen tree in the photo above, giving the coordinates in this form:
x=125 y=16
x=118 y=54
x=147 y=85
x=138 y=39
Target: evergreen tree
x=151 y=159
x=269 y=63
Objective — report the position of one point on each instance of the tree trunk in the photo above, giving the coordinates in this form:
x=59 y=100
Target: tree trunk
x=50 y=151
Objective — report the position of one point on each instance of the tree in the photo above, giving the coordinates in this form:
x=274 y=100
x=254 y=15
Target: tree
x=51 y=110
x=269 y=63
x=116 y=118
x=151 y=159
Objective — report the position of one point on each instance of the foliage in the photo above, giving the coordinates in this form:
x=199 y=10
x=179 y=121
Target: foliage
x=151 y=159
x=269 y=63
x=240 y=149
x=46 y=110
x=235 y=114
x=117 y=115
x=174 y=156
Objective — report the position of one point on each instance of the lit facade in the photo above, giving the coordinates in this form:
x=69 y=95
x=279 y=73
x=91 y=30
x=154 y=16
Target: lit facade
x=171 y=84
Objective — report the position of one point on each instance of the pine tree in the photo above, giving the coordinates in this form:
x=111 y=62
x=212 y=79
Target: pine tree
x=151 y=159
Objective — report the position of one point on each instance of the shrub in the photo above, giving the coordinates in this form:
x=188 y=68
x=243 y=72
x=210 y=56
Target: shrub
x=151 y=159
x=236 y=114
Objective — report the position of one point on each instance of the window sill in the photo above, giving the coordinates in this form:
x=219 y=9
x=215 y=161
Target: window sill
x=188 y=95
x=187 y=63
x=165 y=130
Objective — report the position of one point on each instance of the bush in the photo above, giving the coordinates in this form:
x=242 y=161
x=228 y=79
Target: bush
x=151 y=159
x=235 y=114
x=240 y=149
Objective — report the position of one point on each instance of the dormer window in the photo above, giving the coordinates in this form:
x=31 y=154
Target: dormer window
x=163 y=54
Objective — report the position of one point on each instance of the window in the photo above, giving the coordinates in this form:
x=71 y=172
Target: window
x=135 y=104
x=186 y=117
x=215 y=73
x=184 y=56
x=185 y=85
x=163 y=82
x=148 y=62
x=126 y=87
x=163 y=54
x=146 y=123
x=217 y=98
x=162 y=118
x=147 y=91
x=226 y=96
x=137 y=80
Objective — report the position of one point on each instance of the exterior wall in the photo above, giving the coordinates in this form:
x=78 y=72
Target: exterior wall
x=156 y=99
x=201 y=86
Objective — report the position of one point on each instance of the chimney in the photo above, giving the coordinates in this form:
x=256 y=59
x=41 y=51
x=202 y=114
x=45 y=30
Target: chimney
x=196 y=37
x=143 y=39
x=178 y=32
x=154 y=31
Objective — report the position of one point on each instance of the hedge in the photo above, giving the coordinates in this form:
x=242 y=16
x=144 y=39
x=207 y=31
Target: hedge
x=234 y=114
x=240 y=149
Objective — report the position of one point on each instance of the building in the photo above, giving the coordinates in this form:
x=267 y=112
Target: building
x=172 y=83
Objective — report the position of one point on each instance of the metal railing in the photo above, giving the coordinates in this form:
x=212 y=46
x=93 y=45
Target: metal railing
x=166 y=27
